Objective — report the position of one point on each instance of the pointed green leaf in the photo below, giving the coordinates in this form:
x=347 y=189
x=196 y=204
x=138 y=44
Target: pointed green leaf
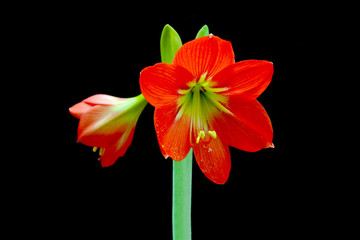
x=170 y=43
x=204 y=31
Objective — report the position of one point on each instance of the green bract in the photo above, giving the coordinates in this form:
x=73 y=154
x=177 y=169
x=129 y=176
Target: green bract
x=204 y=31
x=170 y=43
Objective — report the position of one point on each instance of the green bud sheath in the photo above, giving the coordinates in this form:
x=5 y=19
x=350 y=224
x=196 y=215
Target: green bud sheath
x=170 y=43
x=204 y=31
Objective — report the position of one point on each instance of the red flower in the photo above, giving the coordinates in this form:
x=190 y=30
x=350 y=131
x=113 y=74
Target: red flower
x=108 y=123
x=206 y=101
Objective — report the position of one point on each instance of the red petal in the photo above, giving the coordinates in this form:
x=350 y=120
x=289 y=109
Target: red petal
x=94 y=129
x=103 y=99
x=249 y=129
x=214 y=160
x=247 y=78
x=206 y=54
x=79 y=109
x=173 y=134
x=160 y=83
x=99 y=99
x=118 y=149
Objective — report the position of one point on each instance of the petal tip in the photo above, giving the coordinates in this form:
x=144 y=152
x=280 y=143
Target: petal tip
x=105 y=164
x=79 y=138
x=79 y=109
x=222 y=181
x=73 y=112
x=271 y=65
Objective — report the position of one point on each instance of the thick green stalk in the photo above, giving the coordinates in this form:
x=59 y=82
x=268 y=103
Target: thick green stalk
x=182 y=177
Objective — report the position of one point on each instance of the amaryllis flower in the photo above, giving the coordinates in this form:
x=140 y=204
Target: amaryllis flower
x=206 y=101
x=108 y=123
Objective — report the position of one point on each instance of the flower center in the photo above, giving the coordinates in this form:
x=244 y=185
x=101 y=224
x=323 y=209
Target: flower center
x=201 y=102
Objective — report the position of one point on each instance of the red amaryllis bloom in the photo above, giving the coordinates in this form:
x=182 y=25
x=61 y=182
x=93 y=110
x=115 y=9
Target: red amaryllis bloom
x=108 y=123
x=206 y=101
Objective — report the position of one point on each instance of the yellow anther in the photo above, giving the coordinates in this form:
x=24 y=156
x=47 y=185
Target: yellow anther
x=95 y=149
x=213 y=134
x=102 y=150
x=201 y=136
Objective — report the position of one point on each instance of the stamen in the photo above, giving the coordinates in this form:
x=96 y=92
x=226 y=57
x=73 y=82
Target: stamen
x=102 y=151
x=218 y=90
x=183 y=92
x=201 y=136
x=95 y=149
x=212 y=134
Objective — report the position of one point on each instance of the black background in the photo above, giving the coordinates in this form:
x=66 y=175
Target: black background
x=87 y=50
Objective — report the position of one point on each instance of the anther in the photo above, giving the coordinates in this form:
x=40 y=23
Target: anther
x=201 y=136
x=102 y=150
x=95 y=149
x=213 y=134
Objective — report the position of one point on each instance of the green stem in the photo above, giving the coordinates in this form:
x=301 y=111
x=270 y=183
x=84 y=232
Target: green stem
x=182 y=177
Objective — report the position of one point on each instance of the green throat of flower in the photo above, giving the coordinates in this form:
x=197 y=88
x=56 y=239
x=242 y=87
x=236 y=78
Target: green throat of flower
x=201 y=102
